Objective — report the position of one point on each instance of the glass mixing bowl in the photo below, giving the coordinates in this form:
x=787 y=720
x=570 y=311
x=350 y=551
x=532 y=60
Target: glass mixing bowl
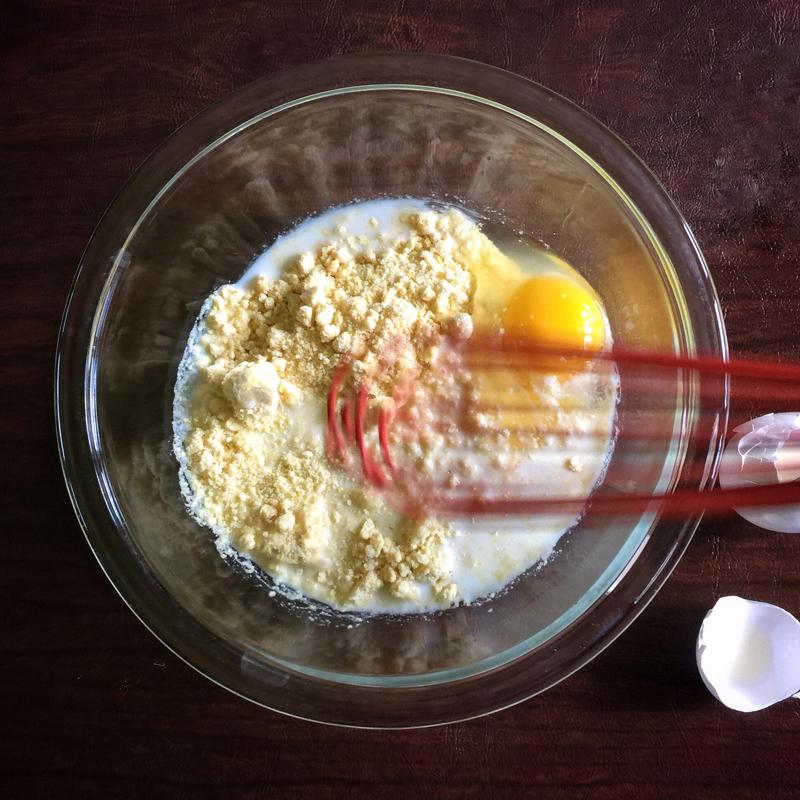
x=197 y=213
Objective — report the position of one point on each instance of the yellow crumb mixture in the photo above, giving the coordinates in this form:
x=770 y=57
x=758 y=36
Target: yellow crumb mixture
x=253 y=440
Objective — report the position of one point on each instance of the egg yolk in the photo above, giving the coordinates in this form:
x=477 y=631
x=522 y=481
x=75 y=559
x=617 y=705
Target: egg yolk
x=555 y=311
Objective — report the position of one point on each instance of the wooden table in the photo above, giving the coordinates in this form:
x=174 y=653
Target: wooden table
x=706 y=92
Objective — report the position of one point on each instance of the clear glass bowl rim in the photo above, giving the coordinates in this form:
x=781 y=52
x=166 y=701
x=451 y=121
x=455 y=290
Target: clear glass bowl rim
x=325 y=701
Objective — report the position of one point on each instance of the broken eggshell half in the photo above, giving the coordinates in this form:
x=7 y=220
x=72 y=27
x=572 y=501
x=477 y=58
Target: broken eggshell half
x=764 y=451
x=748 y=653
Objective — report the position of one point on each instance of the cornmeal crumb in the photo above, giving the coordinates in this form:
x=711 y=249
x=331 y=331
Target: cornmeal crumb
x=574 y=463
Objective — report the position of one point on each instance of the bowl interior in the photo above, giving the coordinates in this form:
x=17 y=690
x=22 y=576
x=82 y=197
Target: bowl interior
x=209 y=221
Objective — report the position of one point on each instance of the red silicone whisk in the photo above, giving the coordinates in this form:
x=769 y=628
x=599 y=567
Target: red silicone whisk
x=369 y=431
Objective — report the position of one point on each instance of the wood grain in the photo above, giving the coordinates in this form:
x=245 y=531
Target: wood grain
x=707 y=93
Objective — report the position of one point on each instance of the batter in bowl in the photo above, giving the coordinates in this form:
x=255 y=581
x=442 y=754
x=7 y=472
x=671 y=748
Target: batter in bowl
x=250 y=404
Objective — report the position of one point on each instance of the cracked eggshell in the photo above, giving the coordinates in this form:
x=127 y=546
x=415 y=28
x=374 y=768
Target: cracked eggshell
x=765 y=450
x=748 y=653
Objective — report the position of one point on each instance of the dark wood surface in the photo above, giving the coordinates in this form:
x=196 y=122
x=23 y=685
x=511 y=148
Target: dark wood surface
x=706 y=92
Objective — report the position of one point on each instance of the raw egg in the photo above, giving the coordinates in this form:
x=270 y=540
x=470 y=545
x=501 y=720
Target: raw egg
x=556 y=311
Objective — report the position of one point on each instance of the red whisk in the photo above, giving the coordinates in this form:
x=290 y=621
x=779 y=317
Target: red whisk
x=374 y=421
